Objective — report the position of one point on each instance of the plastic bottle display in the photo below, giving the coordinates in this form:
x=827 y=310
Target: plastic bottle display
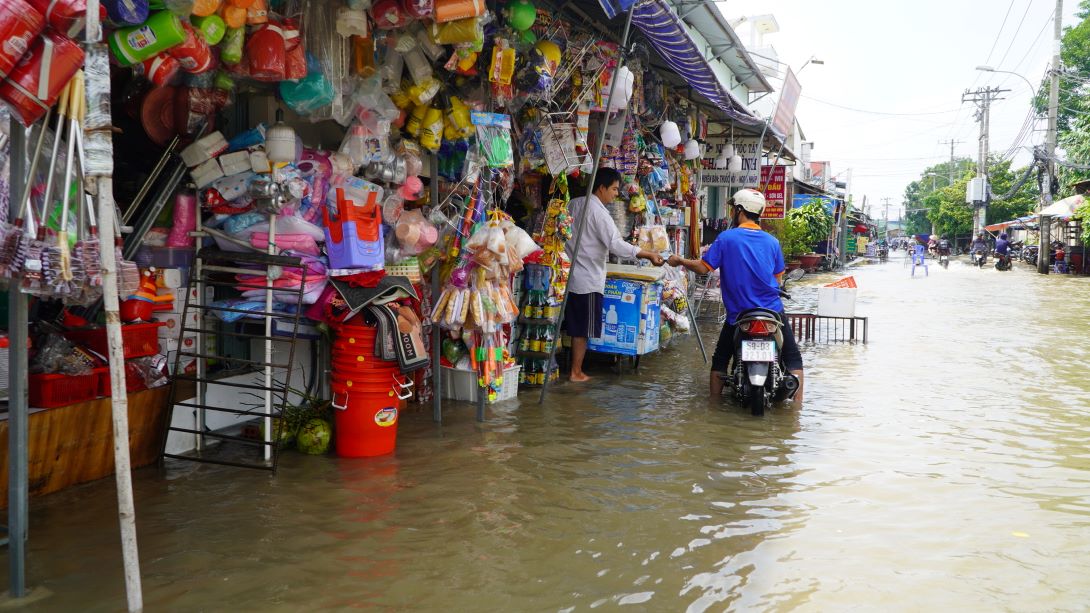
x=609 y=332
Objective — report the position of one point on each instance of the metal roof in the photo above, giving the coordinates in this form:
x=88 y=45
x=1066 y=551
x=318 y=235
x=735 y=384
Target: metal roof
x=723 y=42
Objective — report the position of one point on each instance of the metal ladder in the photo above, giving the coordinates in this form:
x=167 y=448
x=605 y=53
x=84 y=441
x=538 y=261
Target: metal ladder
x=214 y=268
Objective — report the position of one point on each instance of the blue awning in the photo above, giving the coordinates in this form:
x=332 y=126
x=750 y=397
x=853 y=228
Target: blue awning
x=666 y=32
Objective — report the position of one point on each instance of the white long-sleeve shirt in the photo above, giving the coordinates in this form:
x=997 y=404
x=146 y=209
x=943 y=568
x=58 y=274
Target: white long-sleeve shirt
x=588 y=273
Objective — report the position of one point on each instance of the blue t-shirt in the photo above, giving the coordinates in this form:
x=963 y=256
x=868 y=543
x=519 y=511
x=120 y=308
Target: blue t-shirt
x=748 y=260
x=1002 y=246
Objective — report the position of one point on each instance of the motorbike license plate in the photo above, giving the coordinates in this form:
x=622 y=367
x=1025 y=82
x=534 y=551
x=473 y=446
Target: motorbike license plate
x=758 y=351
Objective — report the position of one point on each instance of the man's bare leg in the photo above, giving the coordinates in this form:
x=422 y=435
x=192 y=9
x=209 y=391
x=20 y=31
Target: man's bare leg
x=715 y=384
x=578 y=352
x=797 y=401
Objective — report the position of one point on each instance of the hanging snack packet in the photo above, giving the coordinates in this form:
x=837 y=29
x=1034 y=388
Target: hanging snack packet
x=494 y=138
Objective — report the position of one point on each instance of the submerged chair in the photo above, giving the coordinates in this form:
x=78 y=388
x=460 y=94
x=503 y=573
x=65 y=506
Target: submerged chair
x=919 y=258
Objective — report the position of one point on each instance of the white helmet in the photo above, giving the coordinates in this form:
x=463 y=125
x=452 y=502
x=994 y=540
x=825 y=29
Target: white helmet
x=751 y=200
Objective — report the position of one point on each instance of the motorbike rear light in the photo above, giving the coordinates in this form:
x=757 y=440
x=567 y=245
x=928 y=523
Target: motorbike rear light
x=757 y=327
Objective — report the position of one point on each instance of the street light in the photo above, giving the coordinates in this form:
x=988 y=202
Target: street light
x=991 y=69
x=813 y=60
x=933 y=175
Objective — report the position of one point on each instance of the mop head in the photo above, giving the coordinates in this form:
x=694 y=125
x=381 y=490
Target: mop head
x=32 y=270
x=13 y=253
x=88 y=251
x=51 y=263
x=74 y=294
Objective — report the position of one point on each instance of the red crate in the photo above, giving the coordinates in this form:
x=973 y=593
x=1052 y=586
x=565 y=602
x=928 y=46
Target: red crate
x=132 y=382
x=51 y=391
x=138 y=340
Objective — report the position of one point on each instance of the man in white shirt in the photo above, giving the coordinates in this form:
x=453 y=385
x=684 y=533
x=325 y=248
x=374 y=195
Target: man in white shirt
x=587 y=279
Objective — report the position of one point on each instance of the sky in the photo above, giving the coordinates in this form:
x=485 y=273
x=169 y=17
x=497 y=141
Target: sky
x=900 y=67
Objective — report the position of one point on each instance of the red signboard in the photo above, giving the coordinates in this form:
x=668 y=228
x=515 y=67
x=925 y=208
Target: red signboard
x=774 y=180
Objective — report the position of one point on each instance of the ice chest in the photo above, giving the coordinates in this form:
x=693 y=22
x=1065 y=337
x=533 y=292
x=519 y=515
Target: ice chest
x=836 y=301
x=630 y=319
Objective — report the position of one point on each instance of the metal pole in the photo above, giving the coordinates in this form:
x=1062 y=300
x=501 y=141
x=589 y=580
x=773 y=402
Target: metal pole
x=696 y=328
x=99 y=171
x=1050 y=139
x=17 y=387
x=436 y=333
x=590 y=185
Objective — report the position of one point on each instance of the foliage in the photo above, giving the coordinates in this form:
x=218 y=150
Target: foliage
x=806 y=226
x=935 y=177
x=1083 y=214
x=1073 y=119
x=943 y=207
x=792 y=236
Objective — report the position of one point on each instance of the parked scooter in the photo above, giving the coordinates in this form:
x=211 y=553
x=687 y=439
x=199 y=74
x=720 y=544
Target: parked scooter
x=757 y=374
x=1029 y=254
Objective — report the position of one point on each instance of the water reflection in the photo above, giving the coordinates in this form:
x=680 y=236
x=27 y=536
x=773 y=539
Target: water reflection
x=943 y=466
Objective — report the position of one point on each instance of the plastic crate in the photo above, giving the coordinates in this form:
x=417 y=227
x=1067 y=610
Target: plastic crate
x=462 y=384
x=138 y=340
x=50 y=391
x=409 y=267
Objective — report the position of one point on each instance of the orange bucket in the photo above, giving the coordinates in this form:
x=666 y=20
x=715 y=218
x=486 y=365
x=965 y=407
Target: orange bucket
x=366 y=415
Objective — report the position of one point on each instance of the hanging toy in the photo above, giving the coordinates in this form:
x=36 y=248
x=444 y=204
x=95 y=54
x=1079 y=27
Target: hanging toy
x=521 y=14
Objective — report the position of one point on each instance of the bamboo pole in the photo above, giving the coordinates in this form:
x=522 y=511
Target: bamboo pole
x=99 y=148
x=586 y=205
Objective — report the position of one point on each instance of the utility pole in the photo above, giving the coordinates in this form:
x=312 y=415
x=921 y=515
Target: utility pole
x=885 y=217
x=951 y=142
x=983 y=98
x=1045 y=221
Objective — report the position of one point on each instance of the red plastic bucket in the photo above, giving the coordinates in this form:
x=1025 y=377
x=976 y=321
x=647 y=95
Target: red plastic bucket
x=367 y=366
x=366 y=414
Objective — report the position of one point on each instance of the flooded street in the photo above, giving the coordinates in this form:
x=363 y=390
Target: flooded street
x=943 y=466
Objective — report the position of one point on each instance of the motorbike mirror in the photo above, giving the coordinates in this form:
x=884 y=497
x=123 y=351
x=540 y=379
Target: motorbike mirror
x=795 y=275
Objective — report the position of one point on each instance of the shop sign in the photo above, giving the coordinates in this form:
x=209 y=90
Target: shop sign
x=774 y=181
x=749 y=149
x=800 y=200
x=784 y=119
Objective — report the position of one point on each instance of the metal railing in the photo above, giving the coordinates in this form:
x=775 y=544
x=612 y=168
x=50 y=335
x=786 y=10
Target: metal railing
x=810 y=328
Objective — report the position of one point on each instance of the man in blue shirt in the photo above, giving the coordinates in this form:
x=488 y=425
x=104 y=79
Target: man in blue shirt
x=750 y=264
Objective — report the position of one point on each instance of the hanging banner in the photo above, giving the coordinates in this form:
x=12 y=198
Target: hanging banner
x=749 y=149
x=784 y=120
x=774 y=180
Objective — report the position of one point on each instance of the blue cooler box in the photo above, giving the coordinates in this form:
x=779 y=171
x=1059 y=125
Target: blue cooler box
x=630 y=318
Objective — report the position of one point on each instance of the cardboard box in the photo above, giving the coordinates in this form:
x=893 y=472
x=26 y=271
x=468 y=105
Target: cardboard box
x=187 y=366
x=631 y=318
x=836 y=301
x=188 y=342
x=175 y=323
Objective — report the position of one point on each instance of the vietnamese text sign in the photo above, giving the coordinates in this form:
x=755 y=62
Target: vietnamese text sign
x=749 y=150
x=774 y=181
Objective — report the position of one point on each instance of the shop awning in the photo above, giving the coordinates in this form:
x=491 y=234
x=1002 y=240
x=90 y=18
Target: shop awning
x=666 y=32
x=1021 y=222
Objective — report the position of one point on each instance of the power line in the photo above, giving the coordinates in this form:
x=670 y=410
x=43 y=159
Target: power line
x=848 y=108
x=1014 y=37
x=1000 y=32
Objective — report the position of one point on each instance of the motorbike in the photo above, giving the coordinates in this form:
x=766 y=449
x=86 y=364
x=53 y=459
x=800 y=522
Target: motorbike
x=757 y=374
x=883 y=253
x=979 y=258
x=1002 y=261
x=1029 y=254
x=944 y=258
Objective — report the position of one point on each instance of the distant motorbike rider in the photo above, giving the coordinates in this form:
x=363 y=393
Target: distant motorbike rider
x=980 y=246
x=943 y=247
x=751 y=266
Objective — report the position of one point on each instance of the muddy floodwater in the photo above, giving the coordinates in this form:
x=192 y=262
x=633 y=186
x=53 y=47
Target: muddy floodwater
x=943 y=466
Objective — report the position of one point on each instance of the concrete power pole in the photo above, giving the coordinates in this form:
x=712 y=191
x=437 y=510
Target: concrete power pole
x=885 y=217
x=1045 y=221
x=983 y=98
x=951 y=142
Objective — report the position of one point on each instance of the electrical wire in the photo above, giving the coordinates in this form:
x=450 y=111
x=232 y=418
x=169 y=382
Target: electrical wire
x=1000 y=32
x=848 y=108
x=1017 y=186
x=1014 y=37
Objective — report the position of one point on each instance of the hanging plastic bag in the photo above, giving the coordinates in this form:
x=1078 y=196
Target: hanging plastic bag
x=308 y=95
